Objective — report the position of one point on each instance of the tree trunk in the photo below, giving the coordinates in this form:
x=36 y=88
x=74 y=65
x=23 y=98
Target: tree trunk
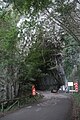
x=7 y=91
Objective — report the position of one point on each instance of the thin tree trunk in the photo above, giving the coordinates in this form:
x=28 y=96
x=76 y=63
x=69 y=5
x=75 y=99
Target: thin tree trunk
x=7 y=91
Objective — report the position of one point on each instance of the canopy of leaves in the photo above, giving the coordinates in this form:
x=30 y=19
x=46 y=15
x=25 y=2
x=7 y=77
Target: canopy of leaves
x=35 y=45
x=29 y=5
x=71 y=56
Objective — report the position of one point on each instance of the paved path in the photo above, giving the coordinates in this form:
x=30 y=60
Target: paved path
x=53 y=107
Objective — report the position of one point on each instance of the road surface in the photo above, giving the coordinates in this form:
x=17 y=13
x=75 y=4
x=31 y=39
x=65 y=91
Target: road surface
x=53 y=107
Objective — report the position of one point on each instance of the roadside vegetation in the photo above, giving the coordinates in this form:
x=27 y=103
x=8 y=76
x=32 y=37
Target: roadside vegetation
x=18 y=103
x=76 y=106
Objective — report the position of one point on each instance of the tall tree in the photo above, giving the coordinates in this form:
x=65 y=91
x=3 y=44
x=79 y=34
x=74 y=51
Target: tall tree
x=64 y=13
x=71 y=53
x=8 y=52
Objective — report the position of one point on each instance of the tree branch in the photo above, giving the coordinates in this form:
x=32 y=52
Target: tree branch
x=58 y=22
x=17 y=7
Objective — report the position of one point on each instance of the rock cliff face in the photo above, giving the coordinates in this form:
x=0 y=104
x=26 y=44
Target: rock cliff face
x=55 y=76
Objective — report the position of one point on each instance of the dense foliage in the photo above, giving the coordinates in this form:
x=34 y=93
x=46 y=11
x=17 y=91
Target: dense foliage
x=33 y=36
